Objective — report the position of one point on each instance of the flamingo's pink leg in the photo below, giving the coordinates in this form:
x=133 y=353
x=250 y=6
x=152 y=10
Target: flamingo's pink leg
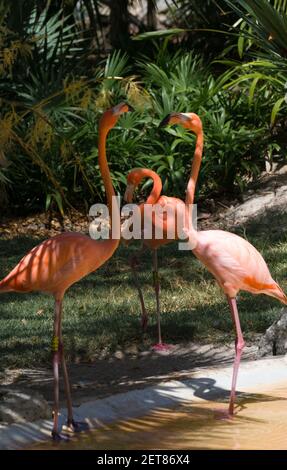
x=70 y=419
x=75 y=426
x=160 y=346
x=157 y=289
x=239 y=345
x=59 y=357
x=56 y=360
x=144 y=319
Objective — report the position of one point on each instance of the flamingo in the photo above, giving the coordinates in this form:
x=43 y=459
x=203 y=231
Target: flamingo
x=233 y=261
x=171 y=208
x=57 y=263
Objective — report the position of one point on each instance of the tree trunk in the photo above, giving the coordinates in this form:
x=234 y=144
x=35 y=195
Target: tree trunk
x=68 y=8
x=119 y=33
x=151 y=15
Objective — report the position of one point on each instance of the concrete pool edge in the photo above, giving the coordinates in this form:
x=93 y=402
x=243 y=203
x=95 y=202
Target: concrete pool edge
x=204 y=384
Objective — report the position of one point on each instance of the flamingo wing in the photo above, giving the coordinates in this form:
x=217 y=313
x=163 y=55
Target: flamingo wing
x=235 y=263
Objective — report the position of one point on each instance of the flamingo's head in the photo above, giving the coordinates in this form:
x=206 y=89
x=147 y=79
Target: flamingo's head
x=111 y=116
x=189 y=121
x=133 y=180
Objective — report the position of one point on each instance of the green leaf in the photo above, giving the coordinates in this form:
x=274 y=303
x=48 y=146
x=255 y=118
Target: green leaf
x=159 y=34
x=275 y=110
x=48 y=201
x=58 y=199
x=240 y=46
x=252 y=90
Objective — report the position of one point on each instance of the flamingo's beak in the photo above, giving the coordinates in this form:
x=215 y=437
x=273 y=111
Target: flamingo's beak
x=121 y=108
x=130 y=108
x=165 y=121
x=176 y=118
x=128 y=197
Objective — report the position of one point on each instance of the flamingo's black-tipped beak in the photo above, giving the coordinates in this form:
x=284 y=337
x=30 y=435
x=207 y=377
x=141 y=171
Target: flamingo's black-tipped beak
x=128 y=197
x=121 y=108
x=130 y=108
x=164 y=122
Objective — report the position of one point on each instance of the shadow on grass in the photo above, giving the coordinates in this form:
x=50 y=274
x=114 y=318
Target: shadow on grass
x=102 y=310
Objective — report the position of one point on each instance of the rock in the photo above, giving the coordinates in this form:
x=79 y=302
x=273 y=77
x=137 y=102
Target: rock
x=32 y=227
x=256 y=205
x=274 y=341
x=203 y=215
x=18 y=407
x=119 y=355
x=131 y=349
x=55 y=224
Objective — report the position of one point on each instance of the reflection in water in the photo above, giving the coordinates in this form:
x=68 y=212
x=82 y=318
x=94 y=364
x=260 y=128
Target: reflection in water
x=260 y=423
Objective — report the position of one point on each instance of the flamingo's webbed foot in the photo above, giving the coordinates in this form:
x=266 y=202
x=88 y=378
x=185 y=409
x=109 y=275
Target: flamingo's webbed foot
x=223 y=414
x=76 y=426
x=57 y=437
x=162 y=347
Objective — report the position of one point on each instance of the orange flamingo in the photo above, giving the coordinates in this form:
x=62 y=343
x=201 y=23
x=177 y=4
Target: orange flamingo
x=233 y=261
x=171 y=208
x=57 y=263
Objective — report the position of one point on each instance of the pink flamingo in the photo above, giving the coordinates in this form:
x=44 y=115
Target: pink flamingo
x=57 y=263
x=233 y=261
x=167 y=217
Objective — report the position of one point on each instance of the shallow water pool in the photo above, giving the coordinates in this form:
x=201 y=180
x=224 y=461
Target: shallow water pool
x=260 y=422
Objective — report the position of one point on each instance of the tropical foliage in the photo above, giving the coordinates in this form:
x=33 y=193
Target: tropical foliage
x=262 y=46
x=54 y=84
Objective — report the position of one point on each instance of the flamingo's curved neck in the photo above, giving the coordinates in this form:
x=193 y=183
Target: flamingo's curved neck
x=157 y=186
x=103 y=164
x=190 y=191
x=156 y=189
x=105 y=173
x=195 y=169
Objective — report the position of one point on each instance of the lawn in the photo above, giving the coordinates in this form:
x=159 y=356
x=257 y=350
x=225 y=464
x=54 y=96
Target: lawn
x=101 y=312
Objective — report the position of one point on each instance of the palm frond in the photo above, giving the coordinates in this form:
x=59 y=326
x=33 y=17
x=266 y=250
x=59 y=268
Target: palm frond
x=268 y=22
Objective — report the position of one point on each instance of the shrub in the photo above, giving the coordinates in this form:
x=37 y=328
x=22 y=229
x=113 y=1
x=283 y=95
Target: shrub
x=51 y=107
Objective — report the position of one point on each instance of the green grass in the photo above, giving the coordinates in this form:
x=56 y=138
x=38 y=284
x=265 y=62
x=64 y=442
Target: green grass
x=101 y=312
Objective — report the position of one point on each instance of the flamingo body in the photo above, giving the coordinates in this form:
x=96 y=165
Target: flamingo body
x=172 y=207
x=57 y=263
x=236 y=264
x=166 y=220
